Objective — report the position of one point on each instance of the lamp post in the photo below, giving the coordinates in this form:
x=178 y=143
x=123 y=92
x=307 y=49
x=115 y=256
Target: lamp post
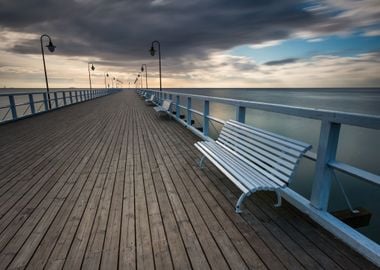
x=152 y=52
x=51 y=48
x=146 y=74
x=105 y=79
x=138 y=76
x=113 y=79
x=89 y=74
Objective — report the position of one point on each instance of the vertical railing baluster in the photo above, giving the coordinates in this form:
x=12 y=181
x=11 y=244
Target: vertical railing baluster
x=31 y=104
x=240 y=114
x=71 y=97
x=56 y=99
x=189 y=110
x=46 y=102
x=64 y=98
x=177 y=109
x=206 y=113
x=12 y=106
x=328 y=144
x=76 y=97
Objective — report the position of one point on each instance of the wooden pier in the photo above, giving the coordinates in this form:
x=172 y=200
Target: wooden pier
x=107 y=184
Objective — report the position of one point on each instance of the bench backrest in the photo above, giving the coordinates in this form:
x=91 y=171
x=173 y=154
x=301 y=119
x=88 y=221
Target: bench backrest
x=151 y=98
x=274 y=156
x=166 y=104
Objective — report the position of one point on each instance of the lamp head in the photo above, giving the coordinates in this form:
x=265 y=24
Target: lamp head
x=92 y=67
x=152 y=51
x=107 y=75
x=51 y=47
x=142 y=68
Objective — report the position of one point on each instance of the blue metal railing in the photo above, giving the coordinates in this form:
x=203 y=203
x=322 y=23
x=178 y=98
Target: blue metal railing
x=15 y=106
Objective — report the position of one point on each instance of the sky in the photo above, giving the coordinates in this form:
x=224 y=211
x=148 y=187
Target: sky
x=204 y=43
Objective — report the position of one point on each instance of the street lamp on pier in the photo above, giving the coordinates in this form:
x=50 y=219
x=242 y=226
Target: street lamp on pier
x=89 y=73
x=146 y=74
x=152 y=53
x=51 y=48
x=105 y=79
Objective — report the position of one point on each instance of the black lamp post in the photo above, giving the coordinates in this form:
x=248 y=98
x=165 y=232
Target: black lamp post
x=138 y=76
x=89 y=74
x=113 y=79
x=51 y=48
x=146 y=74
x=105 y=79
x=152 y=52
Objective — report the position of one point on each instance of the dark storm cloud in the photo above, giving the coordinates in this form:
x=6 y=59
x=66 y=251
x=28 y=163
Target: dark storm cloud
x=116 y=30
x=281 y=62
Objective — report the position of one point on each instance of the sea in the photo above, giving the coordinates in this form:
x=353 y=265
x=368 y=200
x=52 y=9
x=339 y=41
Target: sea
x=357 y=146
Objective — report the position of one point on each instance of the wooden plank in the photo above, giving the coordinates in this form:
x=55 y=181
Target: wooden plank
x=161 y=252
x=127 y=250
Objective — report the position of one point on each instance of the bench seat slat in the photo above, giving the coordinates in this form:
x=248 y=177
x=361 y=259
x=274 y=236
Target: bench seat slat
x=262 y=171
x=215 y=160
x=255 y=171
x=252 y=180
x=247 y=150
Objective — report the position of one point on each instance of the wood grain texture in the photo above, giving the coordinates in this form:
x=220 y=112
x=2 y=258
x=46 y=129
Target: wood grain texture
x=108 y=184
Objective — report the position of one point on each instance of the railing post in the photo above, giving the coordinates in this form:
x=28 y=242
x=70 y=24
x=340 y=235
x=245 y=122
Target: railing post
x=81 y=95
x=64 y=98
x=189 y=111
x=240 y=114
x=328 y=144
x=46 y=102
x=206 y=112
x=56 y=99
x=71 y=97
x=31 y=104
x=12 y=106
x=177 y=112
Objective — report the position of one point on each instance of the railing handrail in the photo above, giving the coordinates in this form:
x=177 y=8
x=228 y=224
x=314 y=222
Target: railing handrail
x=68 y=96
x=51 y=90
x=347 y=118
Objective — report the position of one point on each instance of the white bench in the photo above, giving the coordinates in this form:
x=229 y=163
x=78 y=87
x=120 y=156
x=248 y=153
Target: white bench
x=253 y=159
x=164 y=108
x=150 y=100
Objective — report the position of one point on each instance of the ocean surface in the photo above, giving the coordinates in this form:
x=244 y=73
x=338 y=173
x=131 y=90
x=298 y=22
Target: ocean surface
x=359 y=147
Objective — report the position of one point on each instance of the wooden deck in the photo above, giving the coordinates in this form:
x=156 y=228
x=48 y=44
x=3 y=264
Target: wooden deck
x=107 y=184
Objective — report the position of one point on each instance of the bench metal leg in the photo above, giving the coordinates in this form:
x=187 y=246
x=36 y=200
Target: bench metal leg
x=240 y=201
x=202 y=162
x=279 y=200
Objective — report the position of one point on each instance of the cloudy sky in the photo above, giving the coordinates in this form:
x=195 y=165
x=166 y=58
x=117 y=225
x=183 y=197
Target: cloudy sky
x=204 y=43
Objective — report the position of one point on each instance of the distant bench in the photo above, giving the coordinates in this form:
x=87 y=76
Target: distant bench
x=253 y=159
x=164 y=108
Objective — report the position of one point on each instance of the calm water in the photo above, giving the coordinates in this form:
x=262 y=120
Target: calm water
x=357 y=146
